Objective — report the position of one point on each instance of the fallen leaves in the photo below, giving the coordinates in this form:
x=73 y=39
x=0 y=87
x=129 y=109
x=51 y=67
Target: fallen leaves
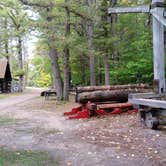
x=128 y=142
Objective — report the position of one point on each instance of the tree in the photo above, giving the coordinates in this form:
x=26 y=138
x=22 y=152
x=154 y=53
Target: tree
x=91 y=44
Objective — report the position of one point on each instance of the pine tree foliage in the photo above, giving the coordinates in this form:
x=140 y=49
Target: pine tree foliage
x=123 y=41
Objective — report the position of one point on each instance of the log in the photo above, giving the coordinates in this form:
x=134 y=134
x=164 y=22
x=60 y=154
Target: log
x=115 y=95
x=117 y=105
x=113 y=87
x=94 y=106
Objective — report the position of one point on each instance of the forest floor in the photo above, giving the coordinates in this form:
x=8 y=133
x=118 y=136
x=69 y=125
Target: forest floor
x=33 y=126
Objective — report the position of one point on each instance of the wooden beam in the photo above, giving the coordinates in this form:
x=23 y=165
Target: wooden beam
x=146 y=95
x=138 y=9
x=160 y=18
x=149 y=102
x=158 y=48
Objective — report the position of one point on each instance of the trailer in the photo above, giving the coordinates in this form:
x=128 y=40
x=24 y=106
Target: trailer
x=152 y=106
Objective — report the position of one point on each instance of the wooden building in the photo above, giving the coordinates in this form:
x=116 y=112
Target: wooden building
x=5 y=76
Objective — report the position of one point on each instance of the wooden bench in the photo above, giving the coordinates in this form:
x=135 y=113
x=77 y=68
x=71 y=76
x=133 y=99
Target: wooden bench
x=49 y=93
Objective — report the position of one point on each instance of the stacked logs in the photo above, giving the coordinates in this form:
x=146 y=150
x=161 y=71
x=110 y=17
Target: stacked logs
x=108 y=93
x=103 y=99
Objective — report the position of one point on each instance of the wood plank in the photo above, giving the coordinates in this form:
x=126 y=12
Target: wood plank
x=160 y=18
x=137 y=9
x=158 y=49
x=148 y=102
x=146 y=95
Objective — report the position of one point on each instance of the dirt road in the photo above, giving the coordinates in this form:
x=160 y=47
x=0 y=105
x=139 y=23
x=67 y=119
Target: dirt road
x=28 y=122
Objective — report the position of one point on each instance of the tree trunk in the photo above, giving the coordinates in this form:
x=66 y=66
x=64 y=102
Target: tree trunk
x=66 y=57
x=20 y=64
x=53 y=54
x=113 y=21
x=7 y=42
x=99 y=71
x=104 y=18
x=115 y=95
x=56 y=72
x=66 y=75
x=106 y=68
x=91 y=47
x=100 y=106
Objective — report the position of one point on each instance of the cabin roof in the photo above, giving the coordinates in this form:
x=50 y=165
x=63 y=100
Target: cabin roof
x=3 y=66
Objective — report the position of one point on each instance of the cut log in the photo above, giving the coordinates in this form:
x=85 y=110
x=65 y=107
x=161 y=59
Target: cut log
x=108 y=87
x=117 y=105
x=94 y=106
x=115 y=95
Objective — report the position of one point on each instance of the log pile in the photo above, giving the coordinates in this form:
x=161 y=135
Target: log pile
x=102 y=100
x=108 y=93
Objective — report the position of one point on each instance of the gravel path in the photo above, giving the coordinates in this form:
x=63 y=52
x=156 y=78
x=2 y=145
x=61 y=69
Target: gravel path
x=31 y=123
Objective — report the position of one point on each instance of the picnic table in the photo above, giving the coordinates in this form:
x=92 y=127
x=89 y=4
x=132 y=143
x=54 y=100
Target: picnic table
x=49 y=93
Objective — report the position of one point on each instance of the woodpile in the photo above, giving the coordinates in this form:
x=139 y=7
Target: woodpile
x=108 y=93
x=102 y=100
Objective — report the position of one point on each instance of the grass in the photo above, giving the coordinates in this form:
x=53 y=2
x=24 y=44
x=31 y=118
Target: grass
x=2 y=96
x=26 y=158
x=7 y=121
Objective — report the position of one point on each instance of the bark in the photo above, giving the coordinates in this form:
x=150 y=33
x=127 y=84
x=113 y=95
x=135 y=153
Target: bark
x=106 y=68
x=20 y=63
x=116 y=105
x=105 y=29
x=6 y=41
x=114 y=87
x=99 y=72
x=66 y=57
x=56 y=72
x=53 y=54
x=113 y=21
x=115 y=95
x=91 y=47
x=94 y=106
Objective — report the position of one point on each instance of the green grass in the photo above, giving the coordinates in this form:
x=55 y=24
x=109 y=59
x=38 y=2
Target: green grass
x=26 y=158
x=7 y=121
x=2 y=97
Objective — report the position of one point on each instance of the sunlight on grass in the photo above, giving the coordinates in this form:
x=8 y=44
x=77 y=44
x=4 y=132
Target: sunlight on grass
x=26 y=158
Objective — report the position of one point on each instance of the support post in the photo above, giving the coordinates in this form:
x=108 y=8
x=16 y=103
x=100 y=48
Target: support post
x=158 y=48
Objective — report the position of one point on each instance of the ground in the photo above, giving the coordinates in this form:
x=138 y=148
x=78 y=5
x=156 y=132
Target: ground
x=32 y=127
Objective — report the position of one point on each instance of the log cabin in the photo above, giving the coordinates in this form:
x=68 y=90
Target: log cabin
x=5 y=76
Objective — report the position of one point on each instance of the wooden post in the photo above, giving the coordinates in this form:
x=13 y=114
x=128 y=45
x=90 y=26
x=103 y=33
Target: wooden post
x=158 y=37
x=158 y=48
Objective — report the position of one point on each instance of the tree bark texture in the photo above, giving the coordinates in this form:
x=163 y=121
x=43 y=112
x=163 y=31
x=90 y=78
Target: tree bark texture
x=114 y=87
x=20 y=63
x=66 y=57
x=94 y=106
x=106 y=68
x=6 y=41
x=91 y=47
x=115 y=95
x=113 y=21
x=104 y=18
x=53 y=54
x=56 y=72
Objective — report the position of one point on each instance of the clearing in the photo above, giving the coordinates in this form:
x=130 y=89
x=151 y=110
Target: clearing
x=31 y=127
